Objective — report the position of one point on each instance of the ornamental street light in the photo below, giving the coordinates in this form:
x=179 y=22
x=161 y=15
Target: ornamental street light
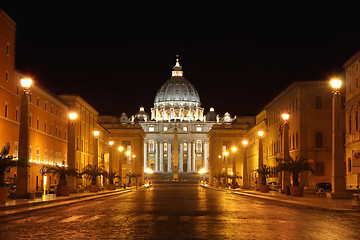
x=72 y=181
x=22 y=180
x=285 y=176
x=245 y=175
x=337 y=152
x=261 y=158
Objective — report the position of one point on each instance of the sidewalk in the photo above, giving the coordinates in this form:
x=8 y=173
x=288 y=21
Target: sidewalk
x=13 y=206
x=308 y=200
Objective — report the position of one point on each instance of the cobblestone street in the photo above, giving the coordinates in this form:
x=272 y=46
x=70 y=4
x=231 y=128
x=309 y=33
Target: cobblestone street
x=180 y=211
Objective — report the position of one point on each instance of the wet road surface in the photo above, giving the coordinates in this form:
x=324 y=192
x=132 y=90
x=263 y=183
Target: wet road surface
x=180 y=211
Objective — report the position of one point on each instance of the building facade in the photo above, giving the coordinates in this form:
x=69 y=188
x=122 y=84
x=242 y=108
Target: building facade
x=177 y=105
x=352 y=108
x=309 y=107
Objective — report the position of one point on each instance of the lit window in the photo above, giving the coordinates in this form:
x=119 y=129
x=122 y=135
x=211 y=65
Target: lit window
x=165 y=128
x=198 y=129
x=185 y=129
x=151 y=129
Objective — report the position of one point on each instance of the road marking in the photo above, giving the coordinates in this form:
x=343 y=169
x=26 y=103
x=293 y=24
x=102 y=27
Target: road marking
x=93 y=218
x=162 y=218
x=70 y=219
x=46 y=219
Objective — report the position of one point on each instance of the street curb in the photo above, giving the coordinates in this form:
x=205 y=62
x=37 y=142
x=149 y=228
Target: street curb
x=29 y=207
x=295 y=203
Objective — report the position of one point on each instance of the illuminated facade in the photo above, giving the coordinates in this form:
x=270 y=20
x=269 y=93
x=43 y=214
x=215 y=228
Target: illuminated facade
x=352 y=108
x=177 y=104
x=309 y=107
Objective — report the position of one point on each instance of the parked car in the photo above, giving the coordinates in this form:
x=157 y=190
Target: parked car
x=273 y=186
x=323 y=187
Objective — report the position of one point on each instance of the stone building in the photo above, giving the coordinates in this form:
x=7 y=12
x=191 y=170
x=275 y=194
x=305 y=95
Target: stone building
x=352 y=108
x=177 y=105
x=309 y=107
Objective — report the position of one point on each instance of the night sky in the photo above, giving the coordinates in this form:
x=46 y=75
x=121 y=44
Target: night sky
x=116 y=57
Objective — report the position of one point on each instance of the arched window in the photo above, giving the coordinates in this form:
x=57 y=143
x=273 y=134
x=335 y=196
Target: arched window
x=319 y=140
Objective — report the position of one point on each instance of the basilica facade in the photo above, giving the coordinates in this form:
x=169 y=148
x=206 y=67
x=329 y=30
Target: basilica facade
x=176 y=105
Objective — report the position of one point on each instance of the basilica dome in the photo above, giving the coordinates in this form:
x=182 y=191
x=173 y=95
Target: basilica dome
x=177 y=91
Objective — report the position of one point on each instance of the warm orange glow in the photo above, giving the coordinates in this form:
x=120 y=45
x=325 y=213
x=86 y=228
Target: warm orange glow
x=260 y=133
x=336 y=84
x=111 y=143
x=26 y=83
x=121 y=149
x=233 y=149
x=72 y=115
x=285 y=116
x=202 y=171
x=96 y=133
x=127 y=153
x=226 y=153
x=244 y=142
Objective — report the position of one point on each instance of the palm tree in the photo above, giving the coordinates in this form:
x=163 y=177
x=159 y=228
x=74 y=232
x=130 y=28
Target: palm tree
x=233 y=178
x=265 y=171
x=111 y=176
x=62 y=172
x=92 y=173
x=296 y=166
x=8 y=161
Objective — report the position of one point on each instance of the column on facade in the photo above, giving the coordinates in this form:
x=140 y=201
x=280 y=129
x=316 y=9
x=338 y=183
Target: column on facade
x=206 y=154
x=169 y=156
x=156 y=156
x=189 y=165
x=181 y=156
x=193 y=156
x=161 y=156
x=146 y=164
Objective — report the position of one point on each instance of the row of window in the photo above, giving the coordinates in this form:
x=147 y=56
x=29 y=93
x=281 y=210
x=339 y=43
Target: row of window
x=197 y=128
x=291 y=109
x=276 y=146
x=50 y=157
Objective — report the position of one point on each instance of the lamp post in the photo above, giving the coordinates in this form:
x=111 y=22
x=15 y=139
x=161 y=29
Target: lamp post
x=245 y=176
x=96 y=148
x=285 y=176
x=261 y=157
x=22 y=180
x=337 y=152
x=71 y=150
x=120 y=164
x=111 y=143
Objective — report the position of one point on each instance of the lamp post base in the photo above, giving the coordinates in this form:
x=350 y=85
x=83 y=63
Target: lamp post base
x=339 y=195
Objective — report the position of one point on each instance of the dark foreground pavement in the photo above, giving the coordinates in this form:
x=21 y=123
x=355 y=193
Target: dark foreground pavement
x=180 y=211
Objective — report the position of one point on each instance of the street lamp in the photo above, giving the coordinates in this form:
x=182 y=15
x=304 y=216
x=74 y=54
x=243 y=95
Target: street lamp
x=121 y=148
x=337 y=158
x=202 y=171
x=96 y=148
x=245 y=175
x=71 y=149
x=22 y=180
x=260 y=159
x=285 y=177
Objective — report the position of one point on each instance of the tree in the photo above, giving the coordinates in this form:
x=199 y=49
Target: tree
x=62 y=172
x=296 y=166
x=7 y=162
x=265 y=171
x=93 y=172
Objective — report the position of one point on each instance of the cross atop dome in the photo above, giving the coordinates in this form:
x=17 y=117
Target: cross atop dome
x=177 y=69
